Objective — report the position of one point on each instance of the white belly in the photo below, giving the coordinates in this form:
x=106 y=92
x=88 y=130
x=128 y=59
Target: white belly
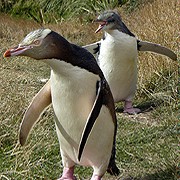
x=118 y=61
x=72 y=100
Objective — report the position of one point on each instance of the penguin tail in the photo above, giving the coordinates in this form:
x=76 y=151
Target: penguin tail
x=113 y=169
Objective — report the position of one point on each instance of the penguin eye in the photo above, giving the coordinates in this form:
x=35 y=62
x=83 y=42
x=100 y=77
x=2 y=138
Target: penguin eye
x=111 y=19
x=36 y=42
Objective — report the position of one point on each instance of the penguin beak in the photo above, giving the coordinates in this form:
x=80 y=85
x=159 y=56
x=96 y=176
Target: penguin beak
x=101 y=25
x=18 y=50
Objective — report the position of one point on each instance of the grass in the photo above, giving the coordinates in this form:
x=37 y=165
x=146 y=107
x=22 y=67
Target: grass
x=46 y=11
x=147 y=144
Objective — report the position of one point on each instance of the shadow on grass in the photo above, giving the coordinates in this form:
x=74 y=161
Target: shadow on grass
x=146 y=106
x=170 y=173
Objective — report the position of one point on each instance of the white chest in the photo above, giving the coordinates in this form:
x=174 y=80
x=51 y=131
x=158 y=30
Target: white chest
x=73 y=94
x=73 y=97
x=118 y=48
x=118 y=61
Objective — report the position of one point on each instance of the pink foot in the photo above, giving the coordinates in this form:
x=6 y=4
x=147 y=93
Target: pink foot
x=128 y=108
x=68 y=174
x=96 y=177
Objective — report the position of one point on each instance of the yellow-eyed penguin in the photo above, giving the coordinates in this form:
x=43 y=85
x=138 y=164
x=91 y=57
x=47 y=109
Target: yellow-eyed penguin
x=113 y=54
x=81 y=100
x=117 y=57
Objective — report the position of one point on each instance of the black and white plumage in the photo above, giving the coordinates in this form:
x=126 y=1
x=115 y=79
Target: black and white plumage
x=117 y=57
x=79 y=93
x=125 y=48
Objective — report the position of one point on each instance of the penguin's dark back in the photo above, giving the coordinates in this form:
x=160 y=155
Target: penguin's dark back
x=85 y=60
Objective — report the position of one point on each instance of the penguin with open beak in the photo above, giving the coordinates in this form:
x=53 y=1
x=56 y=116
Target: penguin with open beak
x=116 y=54
x=117 y=57
x=84 y=109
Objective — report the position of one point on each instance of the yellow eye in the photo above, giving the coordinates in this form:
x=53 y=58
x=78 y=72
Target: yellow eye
x=36 y=42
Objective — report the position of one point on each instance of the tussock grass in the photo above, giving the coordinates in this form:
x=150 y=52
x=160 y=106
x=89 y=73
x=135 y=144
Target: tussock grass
x=45 y=11
x=147 y=144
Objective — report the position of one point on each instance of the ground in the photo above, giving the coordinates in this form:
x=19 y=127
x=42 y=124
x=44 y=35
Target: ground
x=147 y=143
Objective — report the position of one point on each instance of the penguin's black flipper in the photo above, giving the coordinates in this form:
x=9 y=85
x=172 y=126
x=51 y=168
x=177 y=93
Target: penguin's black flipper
x=91 y=118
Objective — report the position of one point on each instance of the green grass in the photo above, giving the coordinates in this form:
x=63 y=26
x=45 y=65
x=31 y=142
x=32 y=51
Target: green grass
x=145 y=149
x=148 y=147
x=147 y=143
x=55 y=11
x=46 y=11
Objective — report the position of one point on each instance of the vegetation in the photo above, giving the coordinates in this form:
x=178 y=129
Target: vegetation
x=46 y=11
x=147 y=143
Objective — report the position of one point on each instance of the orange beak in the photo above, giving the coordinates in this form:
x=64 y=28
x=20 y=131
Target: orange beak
x=101 y=25
x=16 y=51
x=7 y=53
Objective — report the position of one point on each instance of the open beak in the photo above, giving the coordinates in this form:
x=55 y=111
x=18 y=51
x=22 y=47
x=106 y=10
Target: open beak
x=101 y=25
x=16 y=50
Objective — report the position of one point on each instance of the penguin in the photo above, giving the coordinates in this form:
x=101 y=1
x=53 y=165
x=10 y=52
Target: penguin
x=112 y=54
x=108 y=20
x=82 y=101
x=117 y=57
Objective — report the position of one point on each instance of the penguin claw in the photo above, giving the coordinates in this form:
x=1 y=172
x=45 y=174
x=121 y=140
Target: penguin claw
x=68 y=174
x=128 y=108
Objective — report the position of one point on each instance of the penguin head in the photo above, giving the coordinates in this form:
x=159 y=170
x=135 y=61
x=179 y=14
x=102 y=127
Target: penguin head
x=111 y=20
x=108 y=20
x=40 y=44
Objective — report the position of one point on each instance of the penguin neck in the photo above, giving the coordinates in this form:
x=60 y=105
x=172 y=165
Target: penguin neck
x=64 y=70
x=65 y=58
x=68 y=78
x=117 y=35
x=60 y=67
x=112 y=35
x=58 y=48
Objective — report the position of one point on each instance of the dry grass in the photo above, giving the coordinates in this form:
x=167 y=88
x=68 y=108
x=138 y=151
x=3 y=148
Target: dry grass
x=146 y=144
x=158 y=22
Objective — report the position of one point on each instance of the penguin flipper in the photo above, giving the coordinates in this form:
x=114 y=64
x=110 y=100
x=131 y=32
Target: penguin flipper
x=91 y=119
x=41 y=101
x=93 y=48
x=148 y=46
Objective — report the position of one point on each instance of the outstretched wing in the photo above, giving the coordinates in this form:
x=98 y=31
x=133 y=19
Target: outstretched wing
x=41 y=101
x=91 y=118
x=93 y=48
x=148 y=46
